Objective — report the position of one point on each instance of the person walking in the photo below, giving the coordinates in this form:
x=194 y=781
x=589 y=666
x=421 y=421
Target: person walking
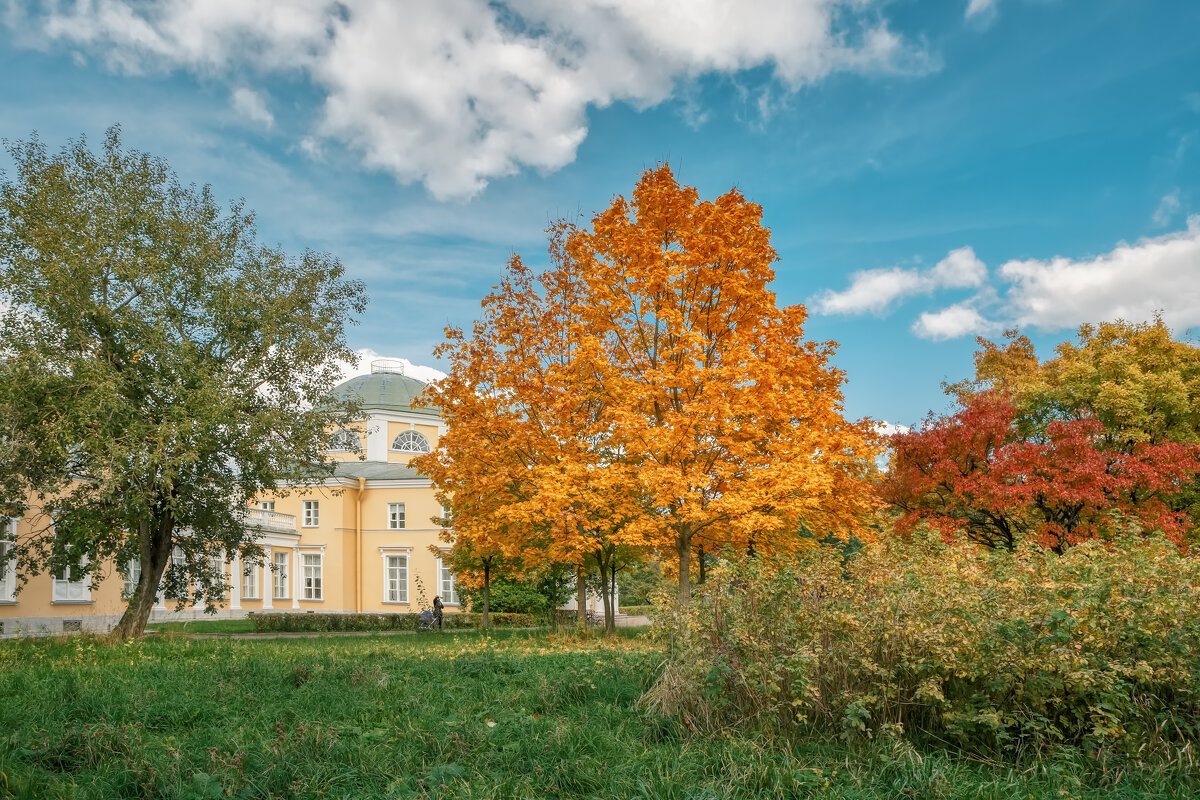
x=437 y=610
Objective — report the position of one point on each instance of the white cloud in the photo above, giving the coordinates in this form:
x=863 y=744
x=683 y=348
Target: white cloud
x=870 y=290
x=253 y=106
x=960 y=319
x=874 y=290
x=1166 y=208
x=886 y=428
x=977 y=7
x=455 y=93
x=362 y=366
x=1132 y=282
x=960 y=269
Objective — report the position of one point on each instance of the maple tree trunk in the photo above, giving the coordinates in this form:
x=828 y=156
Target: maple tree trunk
x=581 y=595
x=612 y=593
x=684 y=549
x=487 y=592
x=700 y=563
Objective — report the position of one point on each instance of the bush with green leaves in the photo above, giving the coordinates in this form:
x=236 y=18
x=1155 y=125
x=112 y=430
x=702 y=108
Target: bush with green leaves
x=304 y=623
x=508 y=596
x=995 y=652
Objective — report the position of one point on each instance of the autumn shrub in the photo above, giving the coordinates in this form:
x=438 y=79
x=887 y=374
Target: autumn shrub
x=304 y=623
x=991 y=651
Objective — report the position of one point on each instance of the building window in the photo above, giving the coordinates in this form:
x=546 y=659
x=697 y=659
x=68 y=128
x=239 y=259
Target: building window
x=410 y=442
x=395 y=515
x=446 y=584
x=344 y=441
x=70 y=580
x=266 y=505
x=176 y=578
x=70 y=584
x=8 y=559
x=216 y=569
x=281 y=575
x=133 y=576
x=250 y=581
x=311 y=563
x=312 y=513
x=395 y=579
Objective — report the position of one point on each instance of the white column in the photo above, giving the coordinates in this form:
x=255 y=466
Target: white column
x=296 y=578
x=268 y=587
x=235 y=580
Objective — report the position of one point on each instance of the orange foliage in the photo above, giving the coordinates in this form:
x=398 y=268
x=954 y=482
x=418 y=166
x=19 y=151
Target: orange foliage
x=647 y=391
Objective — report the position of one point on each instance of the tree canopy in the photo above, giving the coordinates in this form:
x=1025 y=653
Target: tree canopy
x=160 y=367
x=646 y=390
x=1101 y=439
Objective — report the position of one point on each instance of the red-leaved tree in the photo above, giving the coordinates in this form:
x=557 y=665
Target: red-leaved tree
x=975 y=472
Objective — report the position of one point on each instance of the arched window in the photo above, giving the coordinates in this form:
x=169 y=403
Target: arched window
x=410 y=442
x=344 y=440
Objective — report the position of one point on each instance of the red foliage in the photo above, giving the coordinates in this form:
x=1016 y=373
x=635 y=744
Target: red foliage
x=974 y=472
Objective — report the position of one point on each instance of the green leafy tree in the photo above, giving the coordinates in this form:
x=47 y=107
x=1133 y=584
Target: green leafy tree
x=160 y=368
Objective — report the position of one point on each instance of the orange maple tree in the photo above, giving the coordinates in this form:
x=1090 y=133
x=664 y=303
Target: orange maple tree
x=648 y=390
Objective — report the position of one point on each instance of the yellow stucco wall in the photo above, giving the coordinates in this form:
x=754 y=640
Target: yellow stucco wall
x=334 y=536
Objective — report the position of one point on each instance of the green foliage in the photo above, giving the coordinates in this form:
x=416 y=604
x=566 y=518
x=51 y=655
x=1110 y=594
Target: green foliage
x=998 y=653
x=637 y=611
x=297 y=623
x=522 y=597
x=638 y=582
x=161 y=366
x=244 y=625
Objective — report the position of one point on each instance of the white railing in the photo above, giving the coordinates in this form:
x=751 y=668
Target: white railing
x=269 y=519
x=387 y=365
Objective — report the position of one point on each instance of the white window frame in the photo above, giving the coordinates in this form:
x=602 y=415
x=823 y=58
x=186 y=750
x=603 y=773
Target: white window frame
x=250 y=582
x=216 y=565
x=447 y=581
x=8 y=577
x=340 y=442
x=66 y=590
x=395 y=518
x=395 y=577
x=414 y=442
x=178 y=559
x=282 y=572
x=132 y=576
x=312 y=583
x=312 y=514
x=266 y=505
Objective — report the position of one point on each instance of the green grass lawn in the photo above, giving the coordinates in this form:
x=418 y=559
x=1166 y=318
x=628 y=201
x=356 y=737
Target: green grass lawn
x=515 y=715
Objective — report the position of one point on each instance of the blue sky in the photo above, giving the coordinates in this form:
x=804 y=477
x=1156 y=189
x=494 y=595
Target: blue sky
x=931 y=171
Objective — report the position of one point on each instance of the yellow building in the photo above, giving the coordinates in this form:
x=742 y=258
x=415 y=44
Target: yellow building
x=359 y=542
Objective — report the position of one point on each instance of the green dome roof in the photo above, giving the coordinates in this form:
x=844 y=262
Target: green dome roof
x=385 y=390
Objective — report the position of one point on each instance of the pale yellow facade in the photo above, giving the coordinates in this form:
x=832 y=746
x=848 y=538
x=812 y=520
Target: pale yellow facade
x=366 y=540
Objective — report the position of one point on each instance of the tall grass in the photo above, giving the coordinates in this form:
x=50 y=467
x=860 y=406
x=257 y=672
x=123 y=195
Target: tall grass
x=513 y=715
x=1007 y=656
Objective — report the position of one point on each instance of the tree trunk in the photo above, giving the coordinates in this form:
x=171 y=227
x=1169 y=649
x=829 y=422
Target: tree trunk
x=602 y=561
x=612 y=592
x=683 y=546
x=487 y=592
x=700 y=562
x=581 y=595
x=154 y=554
